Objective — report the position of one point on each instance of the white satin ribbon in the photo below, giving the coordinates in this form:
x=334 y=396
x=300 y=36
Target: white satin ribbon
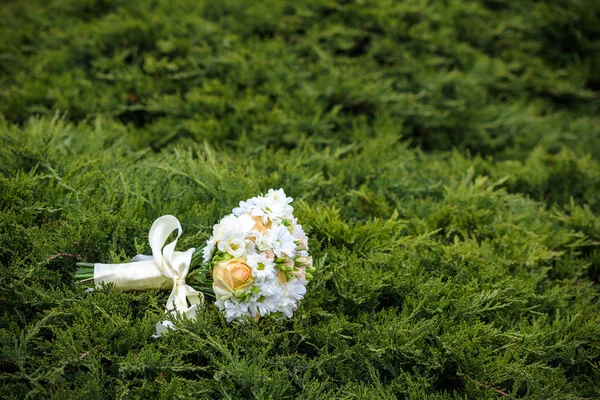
x=165 y=269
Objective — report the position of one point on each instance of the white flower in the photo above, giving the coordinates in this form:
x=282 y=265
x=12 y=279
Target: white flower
x=233 y=308
x=296 y=288
x=282 y=241
x=208 y=250
x=233 y=243
x=274 y=206
x=262 y=242
x=231 y=224
x=163 y=327
x=294 y=291
x=280 y=197
x=265 y=305
x=244 y=208
x=269 y=296
x=297 y=231
x=286 y=306
x=262 y=266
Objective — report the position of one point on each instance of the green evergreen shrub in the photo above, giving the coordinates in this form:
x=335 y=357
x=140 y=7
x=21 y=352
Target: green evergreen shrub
x=443 y=157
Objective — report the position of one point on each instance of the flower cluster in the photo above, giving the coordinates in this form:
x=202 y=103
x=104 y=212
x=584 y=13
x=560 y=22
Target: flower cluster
x=259 y=258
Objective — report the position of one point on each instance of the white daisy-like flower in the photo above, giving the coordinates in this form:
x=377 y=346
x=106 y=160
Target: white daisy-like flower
x=265 y=305
x=287 y=306
x=280 y=197
x=294 y=291
x=233 y=308
x=275 y=206
x=282 y=241
x=262 y=267
x=244 y=208
x=262 y=242
x=269 y=296
x=297 y=231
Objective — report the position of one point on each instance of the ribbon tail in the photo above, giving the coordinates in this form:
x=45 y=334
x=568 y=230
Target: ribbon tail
x=181 y=299
x=171 y=301
x=181 y=295
x=195 y=297
x=175 y=266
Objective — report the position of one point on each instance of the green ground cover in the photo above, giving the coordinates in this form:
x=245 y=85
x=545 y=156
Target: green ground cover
x=444 y=157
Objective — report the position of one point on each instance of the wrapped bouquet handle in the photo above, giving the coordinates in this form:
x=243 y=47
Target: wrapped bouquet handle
x=165 y=269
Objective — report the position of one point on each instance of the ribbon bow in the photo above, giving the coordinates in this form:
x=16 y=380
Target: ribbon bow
x=164 y=267
x=174 y=265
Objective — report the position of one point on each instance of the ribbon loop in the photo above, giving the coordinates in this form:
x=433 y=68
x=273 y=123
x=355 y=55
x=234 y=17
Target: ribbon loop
x=173 y=264
x=164 y=268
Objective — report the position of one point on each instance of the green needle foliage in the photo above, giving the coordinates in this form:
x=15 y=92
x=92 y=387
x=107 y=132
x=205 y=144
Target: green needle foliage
x=444 y=157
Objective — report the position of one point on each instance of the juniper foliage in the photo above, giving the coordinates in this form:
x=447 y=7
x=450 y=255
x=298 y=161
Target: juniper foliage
x=443 y=157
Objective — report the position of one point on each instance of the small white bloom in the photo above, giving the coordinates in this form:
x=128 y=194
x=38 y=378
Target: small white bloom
x=231 y=224
x=264 y=208
x=286 y=306
x=282 y=241
x=280 y=197
x=262 y=242
x=233 y=308
x=244 y=208
x=275 y=206
x=233 y=243
x=262 y=266
x=269 y=296
x=296 y=288
x=267 y=304
x=208 y=250
x=297 y=231
x=293 y=292
x=163 y=327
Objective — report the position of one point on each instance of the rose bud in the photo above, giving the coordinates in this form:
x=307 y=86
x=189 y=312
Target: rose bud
x=306 y=262
x=302 y=244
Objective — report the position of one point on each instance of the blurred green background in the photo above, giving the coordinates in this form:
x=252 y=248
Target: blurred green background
x=443 y=156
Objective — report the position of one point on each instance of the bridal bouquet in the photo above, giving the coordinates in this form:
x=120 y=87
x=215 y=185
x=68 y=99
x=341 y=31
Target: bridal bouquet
x=256 y=263
x=259 y=258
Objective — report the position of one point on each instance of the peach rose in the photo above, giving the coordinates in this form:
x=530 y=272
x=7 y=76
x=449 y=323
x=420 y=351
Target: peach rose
x=230 y=277
x=259 y=226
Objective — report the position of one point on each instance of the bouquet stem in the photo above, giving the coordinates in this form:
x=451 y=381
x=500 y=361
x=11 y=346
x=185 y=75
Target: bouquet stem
x=86 y=271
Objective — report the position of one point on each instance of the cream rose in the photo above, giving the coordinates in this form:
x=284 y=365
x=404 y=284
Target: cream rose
x=229 y=277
